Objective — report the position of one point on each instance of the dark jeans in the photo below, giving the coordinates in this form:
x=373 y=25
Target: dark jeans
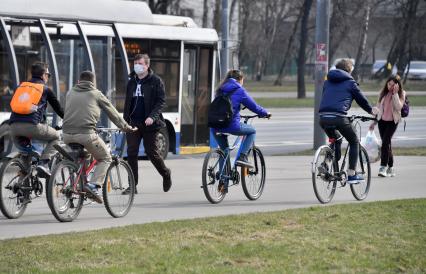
x=335 y=127
x=151 y=150
x=386 y=130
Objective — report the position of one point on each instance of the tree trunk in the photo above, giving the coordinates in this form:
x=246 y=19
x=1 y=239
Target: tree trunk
x=301 y=59
x=363 y=41
x=231 y=13
x=281 y=74
x=205 y=13
x=216 y=17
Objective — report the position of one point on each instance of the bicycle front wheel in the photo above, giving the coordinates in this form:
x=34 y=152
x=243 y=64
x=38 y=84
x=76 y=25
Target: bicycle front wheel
x=12 y=197
x=360 y=190
x=214 y=167
x=119 y=178
x=322 y=172
x=253 y=179
x=63 y=192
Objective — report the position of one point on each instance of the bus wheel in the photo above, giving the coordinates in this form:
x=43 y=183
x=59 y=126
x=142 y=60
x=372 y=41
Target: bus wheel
x=163 y=142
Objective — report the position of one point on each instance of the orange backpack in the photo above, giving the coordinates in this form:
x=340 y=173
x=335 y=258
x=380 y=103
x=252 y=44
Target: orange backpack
x=26 y=98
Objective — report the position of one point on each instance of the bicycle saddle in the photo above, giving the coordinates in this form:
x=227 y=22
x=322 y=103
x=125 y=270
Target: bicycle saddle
x=24 y=145
x=77 y=150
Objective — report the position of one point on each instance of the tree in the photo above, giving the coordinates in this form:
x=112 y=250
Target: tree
x=301 y=58
x=363 y=40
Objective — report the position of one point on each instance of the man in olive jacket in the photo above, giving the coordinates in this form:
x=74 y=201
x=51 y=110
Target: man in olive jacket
x=83 y=105
x=145 y=100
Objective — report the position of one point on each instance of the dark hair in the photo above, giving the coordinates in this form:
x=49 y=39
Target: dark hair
x=345 y=64
x=38 y=69
x=144 y=57
x=87 y=76
x=396 y=79
x=234 y=74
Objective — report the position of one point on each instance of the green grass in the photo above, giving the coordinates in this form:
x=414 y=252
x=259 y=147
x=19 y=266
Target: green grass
x=379 y=237
x=309 y=102
x=397 y=151
x=291 y=86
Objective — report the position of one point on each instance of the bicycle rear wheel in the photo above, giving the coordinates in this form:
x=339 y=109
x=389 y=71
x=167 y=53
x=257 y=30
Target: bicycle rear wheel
x=211 y=173
x=119 y=177
x=62 y=193
x=253 y=179
x=12 y=197
x=322 y=170
x=360 y=190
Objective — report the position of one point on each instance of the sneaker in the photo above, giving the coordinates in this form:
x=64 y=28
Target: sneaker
x=390 y=172
x=355 y=179
x=243 y=161
x=167 y=181
x=92 y=191
x=43 y=170
x=127 y=191
x=382 y=171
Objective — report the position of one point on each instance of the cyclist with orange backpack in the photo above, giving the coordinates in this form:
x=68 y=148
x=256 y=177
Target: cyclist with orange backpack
x=28 y=104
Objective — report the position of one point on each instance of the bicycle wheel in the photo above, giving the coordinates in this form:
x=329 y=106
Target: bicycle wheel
x=322 y=170
x=12 y=198
x=62 y=193
x=360 y=190
x=119 y=177
x=213 y=161
x=253 y=179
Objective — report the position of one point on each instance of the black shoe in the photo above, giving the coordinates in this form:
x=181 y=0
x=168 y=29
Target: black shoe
x=127 y=191
x=43 y=171
x=167 y=181
x=243 y=161
x=92 y=193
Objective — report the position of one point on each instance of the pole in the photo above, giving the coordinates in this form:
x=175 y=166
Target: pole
x=321 y=63
x=224 y=53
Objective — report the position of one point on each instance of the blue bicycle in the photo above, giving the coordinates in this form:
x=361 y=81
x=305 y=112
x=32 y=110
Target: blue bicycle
x=218 y=173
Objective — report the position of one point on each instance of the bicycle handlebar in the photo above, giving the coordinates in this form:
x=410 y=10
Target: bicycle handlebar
x=362 y=118
x=247 y=117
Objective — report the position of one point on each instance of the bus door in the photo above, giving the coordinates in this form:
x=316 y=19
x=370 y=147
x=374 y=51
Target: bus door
x=196 y=95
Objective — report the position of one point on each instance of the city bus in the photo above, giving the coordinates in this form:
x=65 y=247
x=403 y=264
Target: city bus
x=103 y=36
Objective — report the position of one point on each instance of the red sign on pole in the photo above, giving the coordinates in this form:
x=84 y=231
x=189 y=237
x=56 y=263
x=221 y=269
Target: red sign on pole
x=321 y=53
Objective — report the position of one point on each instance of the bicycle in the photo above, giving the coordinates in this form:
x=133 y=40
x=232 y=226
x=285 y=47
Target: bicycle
x=326 y=172
x=218 y=171
x=65 y=192
x=19 y=180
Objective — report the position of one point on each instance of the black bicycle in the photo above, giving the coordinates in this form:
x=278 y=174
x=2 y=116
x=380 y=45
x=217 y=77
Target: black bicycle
x=327 y=175
x=20 y=182
x=218 y=174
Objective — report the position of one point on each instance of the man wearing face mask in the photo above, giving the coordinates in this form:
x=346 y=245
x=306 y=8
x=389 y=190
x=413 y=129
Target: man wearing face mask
x=145 y=100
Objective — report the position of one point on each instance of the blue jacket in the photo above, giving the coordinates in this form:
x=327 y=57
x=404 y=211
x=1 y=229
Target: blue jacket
x=40 y=115
x=340 y=89
x=240 y=96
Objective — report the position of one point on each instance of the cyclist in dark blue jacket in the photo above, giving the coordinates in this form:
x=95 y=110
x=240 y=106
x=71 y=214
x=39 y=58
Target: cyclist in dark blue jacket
x=233 y=82
x=340 y=89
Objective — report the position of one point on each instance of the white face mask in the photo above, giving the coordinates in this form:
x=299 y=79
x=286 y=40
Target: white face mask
x=139 y=69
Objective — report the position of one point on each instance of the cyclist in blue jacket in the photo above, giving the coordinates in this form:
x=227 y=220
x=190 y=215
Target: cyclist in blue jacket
x=340 y=89
x=233 y=82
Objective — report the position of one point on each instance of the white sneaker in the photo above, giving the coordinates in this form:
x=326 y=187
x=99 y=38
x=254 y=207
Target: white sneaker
x=382 y=171
x=390 y=172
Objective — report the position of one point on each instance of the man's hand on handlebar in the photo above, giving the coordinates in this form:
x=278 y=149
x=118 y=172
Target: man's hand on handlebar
x=268 y=116
x=130 y=129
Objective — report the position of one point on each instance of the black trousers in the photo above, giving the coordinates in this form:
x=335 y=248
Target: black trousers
x=335 y=127
x=386 y=130
x=151 y=150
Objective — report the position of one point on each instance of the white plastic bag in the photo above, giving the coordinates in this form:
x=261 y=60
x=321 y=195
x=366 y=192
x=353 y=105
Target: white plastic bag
x=372 y=145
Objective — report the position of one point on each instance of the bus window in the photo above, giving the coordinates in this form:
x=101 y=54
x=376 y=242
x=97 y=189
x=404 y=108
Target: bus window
x=6 y=88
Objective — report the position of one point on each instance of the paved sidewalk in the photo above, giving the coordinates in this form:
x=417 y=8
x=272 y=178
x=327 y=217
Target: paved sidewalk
x=288 y=185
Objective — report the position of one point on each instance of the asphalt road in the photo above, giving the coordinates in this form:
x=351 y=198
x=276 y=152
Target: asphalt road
x=292 y=130
x=288 y=185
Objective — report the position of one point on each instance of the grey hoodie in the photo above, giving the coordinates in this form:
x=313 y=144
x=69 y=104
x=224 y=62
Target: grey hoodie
x=83 y=105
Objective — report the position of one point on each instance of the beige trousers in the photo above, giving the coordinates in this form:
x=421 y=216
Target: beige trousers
x=95 y=146
x=41 y=132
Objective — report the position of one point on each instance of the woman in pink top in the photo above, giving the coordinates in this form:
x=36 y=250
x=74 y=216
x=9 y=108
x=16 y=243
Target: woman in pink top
x=391 y=100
